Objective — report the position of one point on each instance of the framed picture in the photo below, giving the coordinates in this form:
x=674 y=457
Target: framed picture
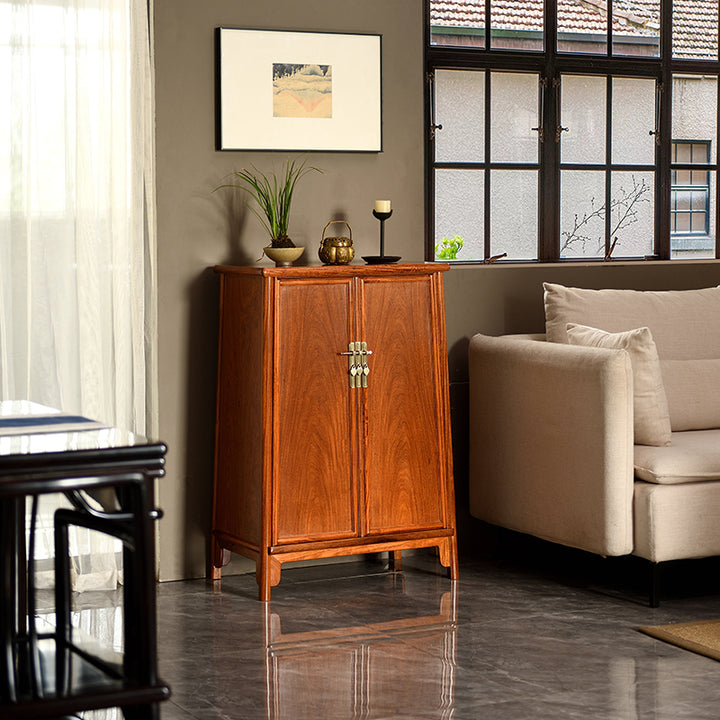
x=298 y=91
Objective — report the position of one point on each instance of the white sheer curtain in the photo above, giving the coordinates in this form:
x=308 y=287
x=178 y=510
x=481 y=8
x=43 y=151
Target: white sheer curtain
x=77 y=238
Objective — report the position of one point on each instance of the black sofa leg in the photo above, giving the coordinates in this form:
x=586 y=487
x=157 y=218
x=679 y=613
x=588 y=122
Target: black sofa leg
x=654 y=592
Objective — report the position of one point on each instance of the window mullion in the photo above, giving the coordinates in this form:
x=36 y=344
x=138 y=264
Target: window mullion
x=487 y=250
x=663 y=145
x=717 y=173
x=549 y=172
x=549 y=175
x=662 y=163
x=608 y=160
x=429 y=147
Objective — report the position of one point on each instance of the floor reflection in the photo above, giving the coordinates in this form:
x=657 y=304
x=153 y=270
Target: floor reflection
x=352 y=672
x=352 y=640
x=97 y=615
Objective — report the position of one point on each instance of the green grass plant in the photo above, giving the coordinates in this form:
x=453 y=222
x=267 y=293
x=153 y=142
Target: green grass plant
x=273 y=195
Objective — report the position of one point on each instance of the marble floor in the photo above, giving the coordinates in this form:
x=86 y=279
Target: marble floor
x=548 y=633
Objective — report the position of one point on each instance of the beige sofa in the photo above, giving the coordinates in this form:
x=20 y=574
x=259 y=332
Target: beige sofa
x=557 y=422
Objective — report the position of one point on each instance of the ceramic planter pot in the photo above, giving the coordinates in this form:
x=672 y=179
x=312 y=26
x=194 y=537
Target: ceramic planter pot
x=283 y=257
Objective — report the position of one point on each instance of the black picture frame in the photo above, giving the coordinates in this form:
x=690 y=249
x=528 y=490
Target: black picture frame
x=298 y=91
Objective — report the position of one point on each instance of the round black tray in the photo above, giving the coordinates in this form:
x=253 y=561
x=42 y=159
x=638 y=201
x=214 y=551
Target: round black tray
x=380 y=259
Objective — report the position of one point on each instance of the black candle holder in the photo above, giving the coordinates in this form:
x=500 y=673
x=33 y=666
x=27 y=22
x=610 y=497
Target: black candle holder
x=382 y=257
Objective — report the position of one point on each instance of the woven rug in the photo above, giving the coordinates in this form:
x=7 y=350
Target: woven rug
x=700 y=637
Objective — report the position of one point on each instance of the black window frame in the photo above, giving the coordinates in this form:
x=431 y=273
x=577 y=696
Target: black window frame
x=551 y=65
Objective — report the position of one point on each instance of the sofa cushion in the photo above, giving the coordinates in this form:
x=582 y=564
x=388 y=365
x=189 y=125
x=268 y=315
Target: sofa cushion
x=692 y=456
x=693 y=392
x=672 y=522
x=684 y=326
x=651 y=422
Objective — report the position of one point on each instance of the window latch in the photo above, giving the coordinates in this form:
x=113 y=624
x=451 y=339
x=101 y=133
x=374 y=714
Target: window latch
x=434 y=127
x=658 y=100
x=494 y=258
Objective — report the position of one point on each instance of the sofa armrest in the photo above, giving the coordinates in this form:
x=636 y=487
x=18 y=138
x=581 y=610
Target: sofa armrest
x=551 y=441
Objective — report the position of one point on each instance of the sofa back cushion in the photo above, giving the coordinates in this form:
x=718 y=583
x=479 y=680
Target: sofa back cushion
x=651 y=418
x=685 y=326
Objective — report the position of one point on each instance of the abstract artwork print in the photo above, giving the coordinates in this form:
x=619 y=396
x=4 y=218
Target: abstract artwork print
x=302 y=91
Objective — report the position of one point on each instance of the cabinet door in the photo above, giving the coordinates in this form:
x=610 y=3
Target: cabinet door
x=314 y=458
x=404 y=473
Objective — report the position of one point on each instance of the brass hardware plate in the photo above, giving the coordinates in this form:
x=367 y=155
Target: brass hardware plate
x=358 y=369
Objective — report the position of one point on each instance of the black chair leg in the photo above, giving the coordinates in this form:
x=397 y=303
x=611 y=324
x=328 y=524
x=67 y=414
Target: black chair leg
x=141 y=712
x=133 y=524
x=63 y=626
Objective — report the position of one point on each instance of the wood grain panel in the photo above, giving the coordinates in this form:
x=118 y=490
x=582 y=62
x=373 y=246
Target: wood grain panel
x=403 y=468
x=237 y=497
x=315 y=477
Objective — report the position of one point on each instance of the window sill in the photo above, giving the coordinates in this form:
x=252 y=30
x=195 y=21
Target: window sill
x=579 y=263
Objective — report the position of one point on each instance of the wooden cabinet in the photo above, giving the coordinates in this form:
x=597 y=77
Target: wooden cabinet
x=332 y=433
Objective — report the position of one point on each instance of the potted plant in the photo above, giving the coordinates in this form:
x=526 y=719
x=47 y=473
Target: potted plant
x=273 y=196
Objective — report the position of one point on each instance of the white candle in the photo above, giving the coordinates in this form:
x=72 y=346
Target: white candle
x=382 y=206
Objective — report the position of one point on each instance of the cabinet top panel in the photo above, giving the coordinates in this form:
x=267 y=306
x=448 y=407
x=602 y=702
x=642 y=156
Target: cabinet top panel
x=351 y=270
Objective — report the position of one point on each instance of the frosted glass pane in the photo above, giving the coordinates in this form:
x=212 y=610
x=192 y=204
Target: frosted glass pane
x=632 y=216
x=633 y=121
x=694 y=113
x=582 y=214
x=459 y=210
x=514 y=114
x=583 y=114
x=514 y=213
x=460 y=109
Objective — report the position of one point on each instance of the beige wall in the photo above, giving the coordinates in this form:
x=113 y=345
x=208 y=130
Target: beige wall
x=198 y=229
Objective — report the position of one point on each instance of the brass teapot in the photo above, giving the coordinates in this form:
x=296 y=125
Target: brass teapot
x=336 y=250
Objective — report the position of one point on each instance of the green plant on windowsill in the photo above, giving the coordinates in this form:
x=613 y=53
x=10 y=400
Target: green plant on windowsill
x=273 y=196
x=448 y=248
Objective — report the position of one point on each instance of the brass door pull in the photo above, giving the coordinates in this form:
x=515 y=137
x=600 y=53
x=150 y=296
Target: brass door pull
x=357 y=363
x=364 y=369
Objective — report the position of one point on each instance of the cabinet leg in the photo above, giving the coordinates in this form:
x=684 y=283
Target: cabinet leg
x=449 y=557
x=267 y=574
x=219 y=558
x=395 y=560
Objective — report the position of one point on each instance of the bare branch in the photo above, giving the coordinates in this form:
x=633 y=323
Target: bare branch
x=623 y=212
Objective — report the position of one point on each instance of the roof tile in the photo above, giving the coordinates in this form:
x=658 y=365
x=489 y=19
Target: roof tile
x=696 y=21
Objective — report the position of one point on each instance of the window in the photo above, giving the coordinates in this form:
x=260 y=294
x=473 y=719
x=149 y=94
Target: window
x=557 y=135
x=690 y=199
